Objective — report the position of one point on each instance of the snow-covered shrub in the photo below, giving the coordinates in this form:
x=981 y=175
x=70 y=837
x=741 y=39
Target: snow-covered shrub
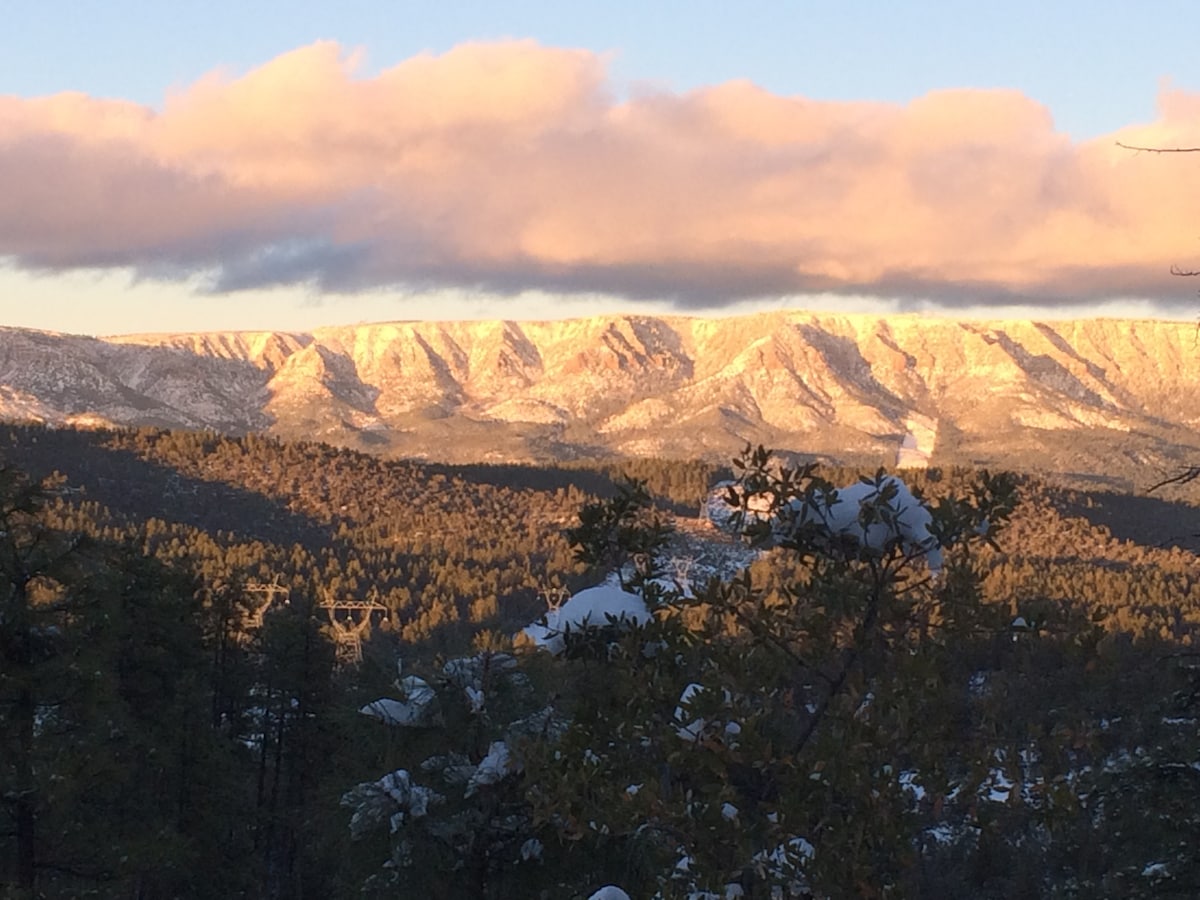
x=603 y=606
x=727 y=742
x=750 y=743
x=877 y=516
x=460 y=808
x=415 y=707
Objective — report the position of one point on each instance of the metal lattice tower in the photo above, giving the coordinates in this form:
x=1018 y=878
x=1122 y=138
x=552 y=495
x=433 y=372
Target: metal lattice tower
x=348 y=632
x=554 y=597
x=272 y=590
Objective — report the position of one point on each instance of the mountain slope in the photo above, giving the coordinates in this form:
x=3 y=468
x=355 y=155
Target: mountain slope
x=1067 y=395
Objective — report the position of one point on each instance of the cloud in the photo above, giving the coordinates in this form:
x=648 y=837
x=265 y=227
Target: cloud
x=511 y=166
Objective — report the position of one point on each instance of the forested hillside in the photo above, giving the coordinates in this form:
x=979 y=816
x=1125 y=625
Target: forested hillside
x=170 y=682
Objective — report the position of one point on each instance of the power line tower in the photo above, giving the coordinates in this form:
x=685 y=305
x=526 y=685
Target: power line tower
x=274 y=589
x=554 y=597
x=348 y=632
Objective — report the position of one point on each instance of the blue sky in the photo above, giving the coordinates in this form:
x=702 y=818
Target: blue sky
x=1096 y=67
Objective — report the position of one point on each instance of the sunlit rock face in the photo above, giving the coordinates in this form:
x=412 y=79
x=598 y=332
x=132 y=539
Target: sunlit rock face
x=907 y=389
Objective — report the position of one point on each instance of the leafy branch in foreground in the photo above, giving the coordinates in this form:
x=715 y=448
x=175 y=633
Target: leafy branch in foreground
x=746 y=736
x=847 y=716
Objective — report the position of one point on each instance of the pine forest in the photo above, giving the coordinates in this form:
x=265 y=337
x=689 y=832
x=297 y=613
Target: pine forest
x=243 y=667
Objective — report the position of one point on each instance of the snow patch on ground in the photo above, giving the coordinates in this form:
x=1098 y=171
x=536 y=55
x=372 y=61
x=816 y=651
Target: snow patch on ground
x=916 y=447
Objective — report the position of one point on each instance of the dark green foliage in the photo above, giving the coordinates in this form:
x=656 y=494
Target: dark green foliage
x=103 y=714
x=182 y=744
x=622 y=535
x=902 y=724
x=784 y=684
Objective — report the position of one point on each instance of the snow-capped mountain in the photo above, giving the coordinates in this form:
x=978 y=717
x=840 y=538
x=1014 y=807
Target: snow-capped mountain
x=907 y=387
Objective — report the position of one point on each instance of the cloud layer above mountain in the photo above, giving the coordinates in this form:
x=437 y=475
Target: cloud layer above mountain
x=512 y=165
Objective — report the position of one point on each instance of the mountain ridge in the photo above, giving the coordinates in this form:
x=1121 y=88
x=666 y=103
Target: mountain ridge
x=837 y=385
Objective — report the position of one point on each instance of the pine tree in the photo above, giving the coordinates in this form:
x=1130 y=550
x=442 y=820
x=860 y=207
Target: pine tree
x=111 y=777
x=47 y=696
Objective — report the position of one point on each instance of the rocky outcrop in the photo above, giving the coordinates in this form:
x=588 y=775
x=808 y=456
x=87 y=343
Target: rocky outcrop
x=844 y=386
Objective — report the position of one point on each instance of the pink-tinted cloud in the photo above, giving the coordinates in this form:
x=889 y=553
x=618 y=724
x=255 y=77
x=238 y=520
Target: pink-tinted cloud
x=511 y=165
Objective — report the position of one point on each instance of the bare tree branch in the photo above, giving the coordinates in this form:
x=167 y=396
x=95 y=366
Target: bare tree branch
x=1175 y=270
x=1187 y=475
x=1191 y=473
x=1159 y=149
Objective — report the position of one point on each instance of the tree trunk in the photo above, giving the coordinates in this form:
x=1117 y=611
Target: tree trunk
x=26 y=788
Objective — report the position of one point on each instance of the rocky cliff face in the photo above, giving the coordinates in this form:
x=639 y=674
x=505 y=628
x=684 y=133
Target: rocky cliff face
x=1074 y=392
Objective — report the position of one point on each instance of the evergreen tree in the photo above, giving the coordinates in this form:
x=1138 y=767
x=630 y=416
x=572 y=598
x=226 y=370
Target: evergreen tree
x=111 y=778
x=49 y=692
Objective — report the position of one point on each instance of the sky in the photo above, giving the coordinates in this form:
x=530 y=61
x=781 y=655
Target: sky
x=269 y=165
